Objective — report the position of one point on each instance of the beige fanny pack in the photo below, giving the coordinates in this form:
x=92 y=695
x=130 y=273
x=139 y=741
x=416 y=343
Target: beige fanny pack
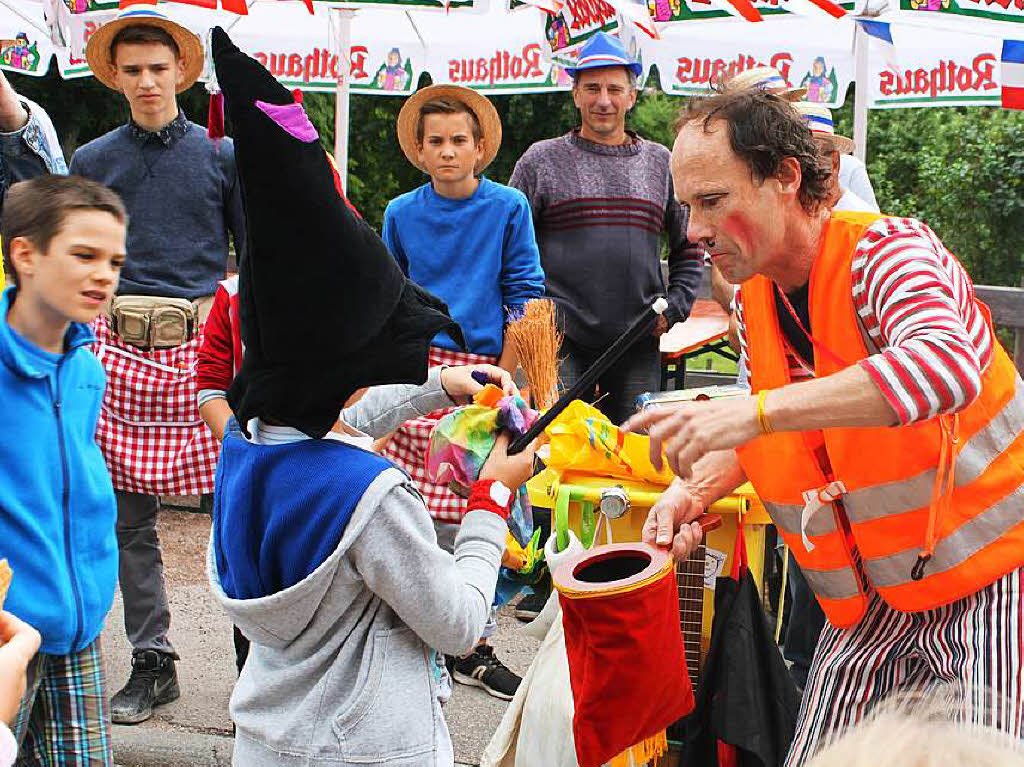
x=154 y=322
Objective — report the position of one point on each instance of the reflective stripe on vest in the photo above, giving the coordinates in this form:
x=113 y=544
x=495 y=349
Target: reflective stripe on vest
x=966 y=541
x=888 y=473
x=788 y=518
x=974 y=459
x=838 y=583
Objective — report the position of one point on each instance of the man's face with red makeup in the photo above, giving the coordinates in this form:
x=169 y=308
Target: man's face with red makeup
x=740 y=221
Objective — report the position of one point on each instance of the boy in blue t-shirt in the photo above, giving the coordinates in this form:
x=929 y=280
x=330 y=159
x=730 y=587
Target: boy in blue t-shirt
x=63 y=246
x=469 y=241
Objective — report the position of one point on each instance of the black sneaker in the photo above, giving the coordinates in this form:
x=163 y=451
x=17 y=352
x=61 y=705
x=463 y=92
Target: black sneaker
x=483 y=669
x=529 y=607
x=152 y=683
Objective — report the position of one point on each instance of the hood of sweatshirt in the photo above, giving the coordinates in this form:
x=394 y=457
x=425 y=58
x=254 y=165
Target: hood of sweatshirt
x=282 y=529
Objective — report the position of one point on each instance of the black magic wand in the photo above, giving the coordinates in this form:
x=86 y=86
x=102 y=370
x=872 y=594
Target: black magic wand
x=586 y=382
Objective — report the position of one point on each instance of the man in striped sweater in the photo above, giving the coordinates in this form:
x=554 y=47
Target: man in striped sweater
x=601 y=197
x=884 y=432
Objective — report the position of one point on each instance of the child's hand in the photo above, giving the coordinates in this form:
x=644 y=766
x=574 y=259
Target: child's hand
x=460 y=383
x=509 y=470
x=19 y=645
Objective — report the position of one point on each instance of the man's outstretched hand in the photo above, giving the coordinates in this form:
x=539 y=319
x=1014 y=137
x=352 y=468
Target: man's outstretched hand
x=687 y=431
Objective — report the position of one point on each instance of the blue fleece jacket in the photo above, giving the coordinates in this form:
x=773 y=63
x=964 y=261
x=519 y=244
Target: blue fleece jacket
x=479 y=255
x=57 y=508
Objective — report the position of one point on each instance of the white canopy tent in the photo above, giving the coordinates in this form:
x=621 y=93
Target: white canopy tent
x=948 y=56
x=925 y=66
x=388 y=49
x=943 y=52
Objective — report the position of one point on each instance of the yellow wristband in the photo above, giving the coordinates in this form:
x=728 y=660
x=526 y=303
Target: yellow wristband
x=762 y=416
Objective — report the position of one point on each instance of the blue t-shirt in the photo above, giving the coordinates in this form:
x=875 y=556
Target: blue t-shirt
x=479 y=255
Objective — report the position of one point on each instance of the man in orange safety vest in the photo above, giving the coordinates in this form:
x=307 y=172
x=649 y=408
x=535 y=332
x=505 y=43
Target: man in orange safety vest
x=884 y=431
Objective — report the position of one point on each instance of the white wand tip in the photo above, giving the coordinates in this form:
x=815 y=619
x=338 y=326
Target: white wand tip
x=659 y=306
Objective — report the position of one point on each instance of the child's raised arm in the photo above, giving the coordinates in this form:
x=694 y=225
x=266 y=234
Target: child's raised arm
x=445 y=599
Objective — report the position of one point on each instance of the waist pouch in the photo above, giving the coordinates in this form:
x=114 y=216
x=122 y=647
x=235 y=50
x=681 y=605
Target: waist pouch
x=154 y=322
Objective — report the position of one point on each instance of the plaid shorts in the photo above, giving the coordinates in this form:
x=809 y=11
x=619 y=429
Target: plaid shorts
x=64 y=718
x=407 y=447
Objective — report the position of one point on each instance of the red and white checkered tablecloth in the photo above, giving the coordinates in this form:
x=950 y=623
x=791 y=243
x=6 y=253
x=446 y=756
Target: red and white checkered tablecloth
x=407 y=447
x=149 y=428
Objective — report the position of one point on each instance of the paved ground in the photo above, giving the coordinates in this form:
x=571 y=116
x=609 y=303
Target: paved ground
x=196 y=730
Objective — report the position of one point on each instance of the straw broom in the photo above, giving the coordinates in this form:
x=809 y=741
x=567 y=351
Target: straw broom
x=536 y=339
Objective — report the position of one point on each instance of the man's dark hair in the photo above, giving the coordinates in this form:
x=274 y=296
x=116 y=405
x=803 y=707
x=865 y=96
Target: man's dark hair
x=763 y=131
x=143 y=34
x=37 y=209
x=447 y=106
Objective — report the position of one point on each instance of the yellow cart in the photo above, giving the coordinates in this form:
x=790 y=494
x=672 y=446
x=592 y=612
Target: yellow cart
x=584 y=495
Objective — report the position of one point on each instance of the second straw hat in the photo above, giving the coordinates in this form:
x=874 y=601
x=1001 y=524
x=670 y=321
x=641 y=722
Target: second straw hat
x=97 y=50
x=819 y=119
x=766 y=78
x=486 y=115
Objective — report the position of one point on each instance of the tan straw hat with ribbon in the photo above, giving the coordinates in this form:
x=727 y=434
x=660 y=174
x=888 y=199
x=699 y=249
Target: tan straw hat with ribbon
x=486 y=115
x=819 y=120
x=97 y=50
x=766 y=78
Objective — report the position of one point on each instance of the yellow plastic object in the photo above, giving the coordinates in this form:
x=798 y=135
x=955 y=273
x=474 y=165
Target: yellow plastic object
x=584 y=440
x=586 y=489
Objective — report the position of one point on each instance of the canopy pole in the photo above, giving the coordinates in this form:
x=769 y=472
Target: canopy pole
x=341 y=26
x=860 y=104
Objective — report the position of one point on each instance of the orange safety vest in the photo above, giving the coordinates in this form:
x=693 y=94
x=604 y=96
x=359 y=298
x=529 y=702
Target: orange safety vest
x=887 y=487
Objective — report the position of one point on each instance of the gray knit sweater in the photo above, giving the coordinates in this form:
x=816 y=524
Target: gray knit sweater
x=599 y=212
x=183 y=200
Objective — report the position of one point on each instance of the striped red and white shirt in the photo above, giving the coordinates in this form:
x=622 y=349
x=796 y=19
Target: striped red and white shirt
x=916 y=303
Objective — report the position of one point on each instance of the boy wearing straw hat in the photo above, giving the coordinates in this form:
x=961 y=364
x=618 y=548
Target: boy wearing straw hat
x=183 y=202
x=471 y=242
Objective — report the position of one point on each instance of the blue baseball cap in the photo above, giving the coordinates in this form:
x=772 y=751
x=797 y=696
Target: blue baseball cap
x=604 y=50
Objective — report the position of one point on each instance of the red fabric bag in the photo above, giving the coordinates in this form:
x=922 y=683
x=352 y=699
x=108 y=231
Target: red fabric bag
x=627 y=663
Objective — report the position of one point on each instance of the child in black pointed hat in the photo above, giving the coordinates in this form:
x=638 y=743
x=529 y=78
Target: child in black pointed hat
x=321 y=551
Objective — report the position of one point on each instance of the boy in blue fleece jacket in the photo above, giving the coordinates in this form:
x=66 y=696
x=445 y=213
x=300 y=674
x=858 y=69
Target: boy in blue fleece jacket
x=64 y=245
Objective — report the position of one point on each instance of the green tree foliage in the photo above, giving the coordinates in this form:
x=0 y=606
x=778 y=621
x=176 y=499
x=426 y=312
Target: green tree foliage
x=959 y=169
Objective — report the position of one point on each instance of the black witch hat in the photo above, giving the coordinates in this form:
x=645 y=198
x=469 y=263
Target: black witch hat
x=325 y=310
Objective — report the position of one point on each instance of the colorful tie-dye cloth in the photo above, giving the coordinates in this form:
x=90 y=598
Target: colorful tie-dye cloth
x=459 y=447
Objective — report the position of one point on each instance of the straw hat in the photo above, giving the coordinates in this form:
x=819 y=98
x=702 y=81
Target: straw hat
x=819 y=120
x=767 y=78
x=97 y=51
x=486 y=115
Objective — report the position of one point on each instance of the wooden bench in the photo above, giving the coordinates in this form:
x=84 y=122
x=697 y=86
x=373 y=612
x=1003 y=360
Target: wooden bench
x=706 y=329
